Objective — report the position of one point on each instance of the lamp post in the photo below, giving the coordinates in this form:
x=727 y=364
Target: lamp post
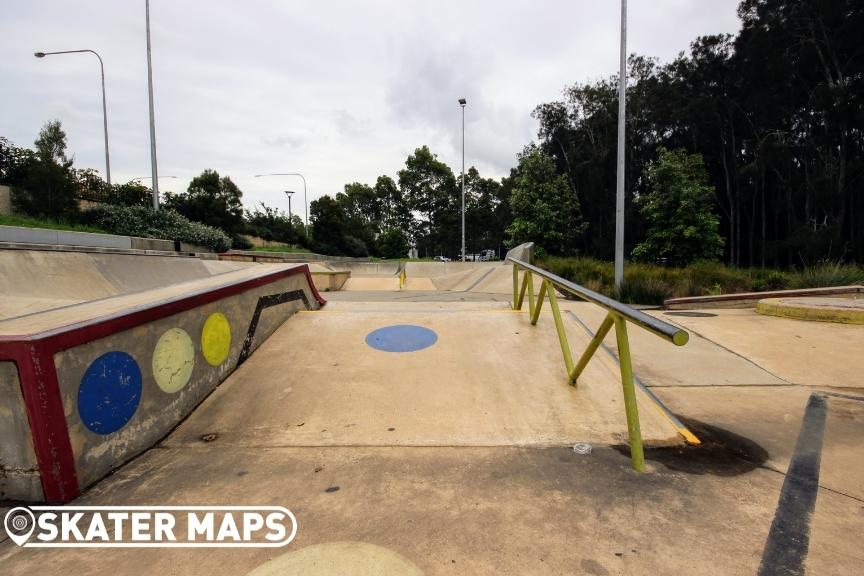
x=289 y=193
x=619 y=199
x=305 y=200
x=155 y=175
x=104 y=105
x=462 y=103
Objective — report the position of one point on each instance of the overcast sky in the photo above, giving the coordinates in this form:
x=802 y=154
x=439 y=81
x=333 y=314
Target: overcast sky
x=340 y=91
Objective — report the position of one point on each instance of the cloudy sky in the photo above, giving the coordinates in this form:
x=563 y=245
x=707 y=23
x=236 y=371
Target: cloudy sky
x=340 y=91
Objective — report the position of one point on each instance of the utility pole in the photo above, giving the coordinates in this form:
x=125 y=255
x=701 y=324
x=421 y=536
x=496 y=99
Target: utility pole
x=155 y=175
x=462 y=103
x=619 y=202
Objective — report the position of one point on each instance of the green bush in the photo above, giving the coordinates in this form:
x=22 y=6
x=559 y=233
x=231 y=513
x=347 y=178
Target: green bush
x=652 y=284
x=828 y=274
x=145 y=222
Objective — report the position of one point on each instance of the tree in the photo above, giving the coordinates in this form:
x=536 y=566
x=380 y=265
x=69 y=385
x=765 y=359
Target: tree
x=682 y=227
x=211 y=199
x=328 y=225
x=393 y=243
x=361 y=210
x=395 y=212
x=545 y=210
x=430 y=189
x=274 y=225
x=44 y=183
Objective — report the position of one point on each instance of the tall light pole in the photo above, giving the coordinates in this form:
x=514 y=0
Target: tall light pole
x=289 y=193
x=305 y=200
x=104 y=105
x=462 y=103
x=155 y=175
x=619 y=201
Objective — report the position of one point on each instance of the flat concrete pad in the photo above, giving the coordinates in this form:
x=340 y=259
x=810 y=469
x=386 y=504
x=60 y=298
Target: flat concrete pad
x=490 y=380
x=477 y=511
x=660 y=363
x=800 y=352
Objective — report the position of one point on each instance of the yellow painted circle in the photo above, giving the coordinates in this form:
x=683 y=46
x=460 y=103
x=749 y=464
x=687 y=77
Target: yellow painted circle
x=173 y=360
x=216 y=339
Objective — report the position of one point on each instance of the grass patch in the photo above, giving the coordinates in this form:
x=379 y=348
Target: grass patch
x=651 y=284
x=27 y=222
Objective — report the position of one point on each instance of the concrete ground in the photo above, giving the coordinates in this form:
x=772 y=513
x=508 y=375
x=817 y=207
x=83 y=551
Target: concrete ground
x=457 y=459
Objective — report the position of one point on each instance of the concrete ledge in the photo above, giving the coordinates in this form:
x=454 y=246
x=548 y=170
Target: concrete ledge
x=840 y=310
x=330 y=281
x=58 y=351
x=750 y=299
x=100 y=250
x=254 y=256
x=48 y=237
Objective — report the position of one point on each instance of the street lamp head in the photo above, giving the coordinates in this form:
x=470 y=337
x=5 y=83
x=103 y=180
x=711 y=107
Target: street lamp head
x=289 y=192
x=39 y=54
x=462 y=101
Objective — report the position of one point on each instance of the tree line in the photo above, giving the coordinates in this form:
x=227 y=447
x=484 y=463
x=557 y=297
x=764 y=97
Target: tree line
x=746 y=149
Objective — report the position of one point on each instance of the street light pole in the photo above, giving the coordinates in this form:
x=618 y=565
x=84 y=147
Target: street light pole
x=305 y=200
x=619 y=201
x=462 y=103
x=104 y=105
x=155 y=175
x=289 y=193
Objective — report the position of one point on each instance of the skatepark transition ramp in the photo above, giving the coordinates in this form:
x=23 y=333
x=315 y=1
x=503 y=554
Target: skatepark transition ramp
x=102 y=354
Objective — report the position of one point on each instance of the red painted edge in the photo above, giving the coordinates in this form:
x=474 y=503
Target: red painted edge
x=33 y=356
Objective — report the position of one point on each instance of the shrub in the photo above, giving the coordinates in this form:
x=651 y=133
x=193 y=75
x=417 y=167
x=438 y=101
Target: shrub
x=828 y=274
x=145 y=222
x=240 y=242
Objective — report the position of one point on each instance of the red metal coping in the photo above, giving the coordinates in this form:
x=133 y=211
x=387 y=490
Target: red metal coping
x=37 y=375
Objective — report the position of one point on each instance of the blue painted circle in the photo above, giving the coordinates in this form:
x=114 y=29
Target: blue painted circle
x=110 y=392
x=401 y=338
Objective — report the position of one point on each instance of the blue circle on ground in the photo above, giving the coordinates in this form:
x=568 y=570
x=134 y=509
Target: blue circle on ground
x=110 y=392
x=401 y=338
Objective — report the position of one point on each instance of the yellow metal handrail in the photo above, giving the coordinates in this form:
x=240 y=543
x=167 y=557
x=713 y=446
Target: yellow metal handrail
x=618 y=315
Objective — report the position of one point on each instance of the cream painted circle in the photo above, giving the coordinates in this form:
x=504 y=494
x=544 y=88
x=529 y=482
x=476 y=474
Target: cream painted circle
x=173 y=360
x=343 y=558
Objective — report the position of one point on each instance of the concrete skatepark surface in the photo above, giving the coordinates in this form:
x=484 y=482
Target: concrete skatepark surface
x=457 y=459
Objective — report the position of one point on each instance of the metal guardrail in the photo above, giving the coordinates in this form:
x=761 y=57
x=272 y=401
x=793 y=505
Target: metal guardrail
x=618 y=315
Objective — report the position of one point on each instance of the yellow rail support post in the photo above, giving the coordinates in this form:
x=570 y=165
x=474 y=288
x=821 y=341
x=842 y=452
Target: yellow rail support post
x=608 y=322
x=515 y=286
x=559 y=327
x=637 y=455
x=535 y=314
x=531 y=304
x=525 y=277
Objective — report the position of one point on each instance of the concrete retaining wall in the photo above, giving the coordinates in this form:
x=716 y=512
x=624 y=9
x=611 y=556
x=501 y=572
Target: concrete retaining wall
x=88 y=397
x=22 y=235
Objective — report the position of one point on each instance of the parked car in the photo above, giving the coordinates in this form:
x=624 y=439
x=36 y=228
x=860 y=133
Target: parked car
x=441 y=259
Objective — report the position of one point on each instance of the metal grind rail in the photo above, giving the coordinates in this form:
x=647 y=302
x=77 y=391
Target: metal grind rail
x=617 y=315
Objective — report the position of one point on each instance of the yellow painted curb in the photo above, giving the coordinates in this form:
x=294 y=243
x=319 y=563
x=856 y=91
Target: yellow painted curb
x=839 y=310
